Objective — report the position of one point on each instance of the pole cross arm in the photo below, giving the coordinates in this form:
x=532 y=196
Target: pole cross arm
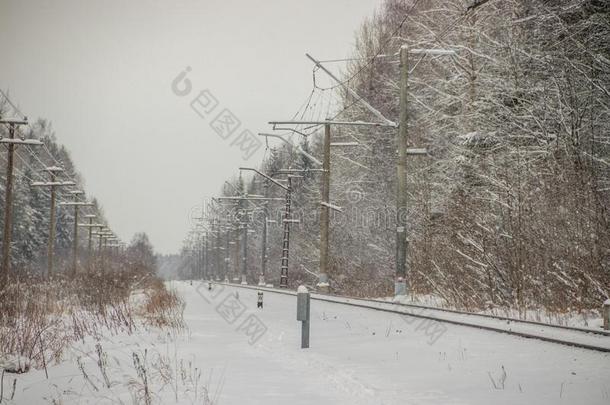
x=53 y=184
x=14 y=121
x=298 y=147
x=345 y=144
x=417 y=51
x=248 y=199
x=291 y=171
x=331 y=206
x=32 y=142
x=77 y=204
x=353 y=93
x=331 y=122
x=417 y=151
x=277 y=183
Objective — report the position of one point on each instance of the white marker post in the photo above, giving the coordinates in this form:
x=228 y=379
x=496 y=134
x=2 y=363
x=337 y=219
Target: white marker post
x=303 y=312
x=606 y=314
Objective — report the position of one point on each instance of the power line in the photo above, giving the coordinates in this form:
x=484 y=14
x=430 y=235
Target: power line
x=8 y=100
x=438 y=38
x=12 y=104
x=28 y=165
x=28 y=148
x=381 y=48
x=23 y=175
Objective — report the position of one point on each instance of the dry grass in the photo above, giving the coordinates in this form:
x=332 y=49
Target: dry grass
x=162 y=308
x=40 y=318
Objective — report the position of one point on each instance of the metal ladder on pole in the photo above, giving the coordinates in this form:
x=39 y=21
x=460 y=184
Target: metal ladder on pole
x=286 y=241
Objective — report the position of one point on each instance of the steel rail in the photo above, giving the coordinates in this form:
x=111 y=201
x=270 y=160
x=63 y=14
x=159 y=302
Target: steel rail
x=329 y=298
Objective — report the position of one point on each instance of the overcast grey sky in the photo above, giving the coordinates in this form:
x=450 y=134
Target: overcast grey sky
x=102 y=71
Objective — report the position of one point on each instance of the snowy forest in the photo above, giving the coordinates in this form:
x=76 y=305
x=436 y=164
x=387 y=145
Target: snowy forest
x=31 y=205
x=509 y=206
x=357 y=202
x=53 y=292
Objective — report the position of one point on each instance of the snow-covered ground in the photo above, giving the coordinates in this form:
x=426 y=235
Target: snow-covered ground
x=581 y=319
x=357 y=356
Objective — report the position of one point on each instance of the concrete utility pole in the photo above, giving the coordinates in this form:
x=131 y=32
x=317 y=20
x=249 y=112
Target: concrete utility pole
x=242 y=225
x=90 y=217
x=402 y=243
x=402 y=238
x=201 y=245
x=76 y=204
x=206 y=257
x=325 y=205
x=103 y=234
x=233 y=248
x=75 y=194
x=286 y=238
x=99 y=244
x=100 y=235
x=244 y=251
x=90 y=227
x=287 y=220
x=214 y=249
x=211 y=251
x=261 y=277
x=52 y=184
x=219 y=256
x=108 y=246
x=402 y=142
x=236 y=254
x=324 y=282
x=197 y=256
x=227 y=266
x=11 y=144
x=200 y=242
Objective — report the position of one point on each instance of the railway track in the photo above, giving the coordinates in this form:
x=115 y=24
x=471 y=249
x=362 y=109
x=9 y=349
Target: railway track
x=584 y=338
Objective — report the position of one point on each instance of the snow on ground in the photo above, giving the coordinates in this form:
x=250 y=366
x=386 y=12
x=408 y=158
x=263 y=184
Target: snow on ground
x=581 y=319
x=357 y=356
x=543 y=331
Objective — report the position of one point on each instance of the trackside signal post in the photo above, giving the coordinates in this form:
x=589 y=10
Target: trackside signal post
x=303 y=314
x=606 y=314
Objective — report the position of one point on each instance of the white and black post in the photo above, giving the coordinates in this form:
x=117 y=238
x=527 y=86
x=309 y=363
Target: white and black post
x=606 y=314
x=303 y=314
